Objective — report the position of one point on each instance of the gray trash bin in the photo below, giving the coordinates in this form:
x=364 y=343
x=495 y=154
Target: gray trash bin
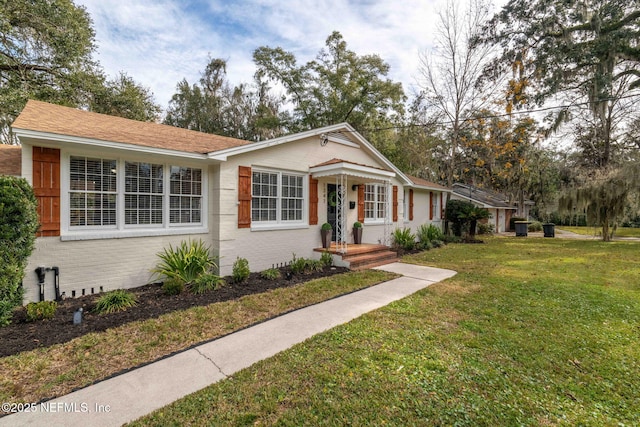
x=549 y=230
x=522 y=228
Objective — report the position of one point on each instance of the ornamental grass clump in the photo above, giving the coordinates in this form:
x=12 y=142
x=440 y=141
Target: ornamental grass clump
x=206 y=282
x=404 y=239
x=185 y=262
x=114 y=301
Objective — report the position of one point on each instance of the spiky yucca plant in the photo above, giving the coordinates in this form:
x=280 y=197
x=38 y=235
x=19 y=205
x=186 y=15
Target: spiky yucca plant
x=185 y=262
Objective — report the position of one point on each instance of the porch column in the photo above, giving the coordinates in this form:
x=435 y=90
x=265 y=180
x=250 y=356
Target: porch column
x=388 y=221
x=341 y=213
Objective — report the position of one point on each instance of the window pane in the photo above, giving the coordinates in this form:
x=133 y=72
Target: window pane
x=92 y=185
x=142 y=180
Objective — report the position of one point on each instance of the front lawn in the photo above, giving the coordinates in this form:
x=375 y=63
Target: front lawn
x=58 y=369
x=597 y=231
x=530 y=332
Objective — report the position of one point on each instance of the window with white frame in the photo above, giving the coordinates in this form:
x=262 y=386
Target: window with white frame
x=375 y=198
x=93 y=192
x=143 y=193
x=434 y=205
x=106 y=193
x=276 y=197
x=185 y=206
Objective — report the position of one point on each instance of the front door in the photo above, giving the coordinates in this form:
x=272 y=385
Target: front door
x=332 y=208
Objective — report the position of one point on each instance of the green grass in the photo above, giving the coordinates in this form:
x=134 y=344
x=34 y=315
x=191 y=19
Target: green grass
x=597 y=231
x=530 y=332
x=53 y=371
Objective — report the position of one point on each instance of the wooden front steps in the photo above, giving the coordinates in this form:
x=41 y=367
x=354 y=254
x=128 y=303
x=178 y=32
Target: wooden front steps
x=362 y=257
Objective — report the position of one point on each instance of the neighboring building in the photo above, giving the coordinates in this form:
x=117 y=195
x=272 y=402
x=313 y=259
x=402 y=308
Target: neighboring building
x=10 y=160
x=497 y=204
x=114 y=192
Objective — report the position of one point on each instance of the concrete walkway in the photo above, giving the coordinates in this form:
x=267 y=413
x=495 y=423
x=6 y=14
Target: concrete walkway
x=131 y=395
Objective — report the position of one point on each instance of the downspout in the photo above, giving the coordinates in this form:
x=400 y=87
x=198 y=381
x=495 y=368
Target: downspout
x=42 y=273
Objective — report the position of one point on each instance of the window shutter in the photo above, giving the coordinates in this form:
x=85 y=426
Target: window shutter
x=361 y=203
x=313 y=201
x=395 y=203
x=430 y=205
x=410 y=204
x=46 y=186
x=244 y=197
x=441 y=207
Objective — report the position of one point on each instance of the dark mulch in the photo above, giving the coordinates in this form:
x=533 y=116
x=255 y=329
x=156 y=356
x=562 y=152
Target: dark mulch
x=152 y=302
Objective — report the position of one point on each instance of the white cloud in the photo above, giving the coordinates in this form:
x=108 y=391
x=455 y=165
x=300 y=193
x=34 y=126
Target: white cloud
x=159 y=43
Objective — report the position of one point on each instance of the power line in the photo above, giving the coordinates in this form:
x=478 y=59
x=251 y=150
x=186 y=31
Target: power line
x=497 y=116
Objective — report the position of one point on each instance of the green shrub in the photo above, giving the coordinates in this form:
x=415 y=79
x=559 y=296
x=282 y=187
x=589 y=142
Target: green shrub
x=41 y=310
x=206 y=282
x=271 y=274
x=437 y=243
x=535 y=226
x=326 y=226
x=428 y=233
x=240 y=271
x=18 y=227
x=306 y=266
x=326 y=258
x=424 y=245
x=313 y=265
x=485 y=228
x=403 y=238
x=114 y=301
x=297 y=265
x=357 y=224
x=185 y=262
x=173 y=286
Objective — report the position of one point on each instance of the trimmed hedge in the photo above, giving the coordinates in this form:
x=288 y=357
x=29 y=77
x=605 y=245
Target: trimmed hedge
x=18 y=227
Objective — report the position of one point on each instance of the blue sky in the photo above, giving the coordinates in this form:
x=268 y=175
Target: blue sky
x=160 y=42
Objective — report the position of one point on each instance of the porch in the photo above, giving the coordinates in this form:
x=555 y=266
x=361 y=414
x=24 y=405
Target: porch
x=360 y=256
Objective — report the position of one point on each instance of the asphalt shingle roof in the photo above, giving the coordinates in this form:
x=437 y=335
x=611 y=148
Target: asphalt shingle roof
x=50 y=118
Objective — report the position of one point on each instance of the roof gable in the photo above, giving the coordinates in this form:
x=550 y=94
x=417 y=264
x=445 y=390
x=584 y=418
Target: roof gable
x=10 y=160
x=48 y=118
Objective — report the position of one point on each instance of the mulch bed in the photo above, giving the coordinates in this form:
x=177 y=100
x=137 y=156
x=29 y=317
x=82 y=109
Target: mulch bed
x=152 y=302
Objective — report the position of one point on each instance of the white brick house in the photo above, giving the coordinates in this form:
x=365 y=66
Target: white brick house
x=114 y=192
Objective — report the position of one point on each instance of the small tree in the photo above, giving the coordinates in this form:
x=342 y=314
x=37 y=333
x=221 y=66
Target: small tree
x=18 y=226
x=454 y=213
x=472 y=215
x=460 y=213
x=604 y=197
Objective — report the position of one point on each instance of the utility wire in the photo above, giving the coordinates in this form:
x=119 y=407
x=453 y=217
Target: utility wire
x=518 y=112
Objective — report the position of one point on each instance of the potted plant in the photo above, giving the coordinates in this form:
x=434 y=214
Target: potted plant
x=357 y=232
x=325 y=232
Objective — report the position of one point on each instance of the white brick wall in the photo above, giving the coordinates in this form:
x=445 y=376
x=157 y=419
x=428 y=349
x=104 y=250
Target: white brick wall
x=86 y=264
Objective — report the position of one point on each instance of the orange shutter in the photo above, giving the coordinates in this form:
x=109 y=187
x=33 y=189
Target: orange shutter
x=410 y=204
x=430 y=205
x=361 y=203
x=313 y=201
x=395 y=203
x=244 y=197
x=46 y=186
